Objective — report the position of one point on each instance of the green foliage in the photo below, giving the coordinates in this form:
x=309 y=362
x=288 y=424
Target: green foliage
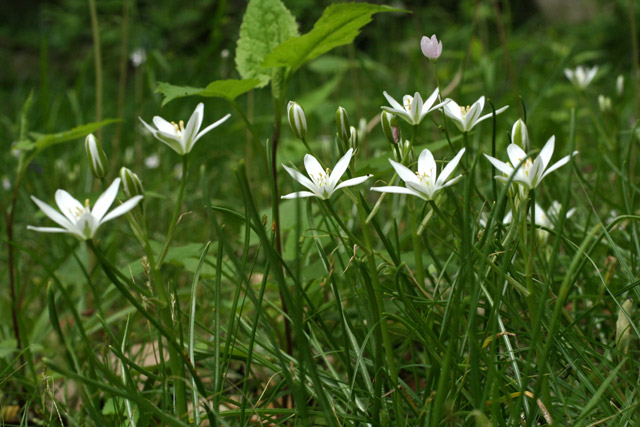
x=265 y=25
x=339 y=25
x=41 y=141
x=227 y=89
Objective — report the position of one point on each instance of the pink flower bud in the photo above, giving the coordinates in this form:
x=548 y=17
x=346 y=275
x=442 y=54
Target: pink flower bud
x=431 y=47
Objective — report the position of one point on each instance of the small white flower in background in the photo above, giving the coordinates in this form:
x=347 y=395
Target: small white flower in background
x=224 y=53
x=620 y=85
x=465 y=118
x=581 y=77
x=546 y=219
x=604 y=103
x=80 y=220
x=15 y=152
x=152 y=162
x=181 y=139
x=425 y=183
x=520 y=135
x=97 y=158
x=413 y=109
x=138 y=57
x=530 y=173
x=297 y=120
x=6 y=184
x=431 y=47
x=323 y=183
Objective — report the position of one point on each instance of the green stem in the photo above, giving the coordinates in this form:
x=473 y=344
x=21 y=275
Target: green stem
x=176 y=213
x=97 y=59
x=344 y=227
x=417 y=244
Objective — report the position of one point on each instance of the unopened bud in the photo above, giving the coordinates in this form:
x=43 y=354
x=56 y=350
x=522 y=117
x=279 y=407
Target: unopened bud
x=97 y=159
x=353 y=137
x=342 y=120
x=623 y=326
x=431 y=47
x=131 y=184
x=390 y=127
x=297 y=120
x=604 y=102
x=520 y=135
x=620 y=85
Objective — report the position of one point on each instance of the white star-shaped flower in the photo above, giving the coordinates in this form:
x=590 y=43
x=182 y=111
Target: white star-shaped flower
x=413 y=109
x=425 y=183
x=80 y=220
x=323 y=183
x=181 y=139
x=465 y=118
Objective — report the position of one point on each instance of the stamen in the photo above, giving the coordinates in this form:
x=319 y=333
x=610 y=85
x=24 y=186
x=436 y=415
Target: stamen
x=175 y=126
x=181 y=125
x=86 y=203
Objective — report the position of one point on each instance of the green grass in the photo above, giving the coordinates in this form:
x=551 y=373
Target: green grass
x=352 y=311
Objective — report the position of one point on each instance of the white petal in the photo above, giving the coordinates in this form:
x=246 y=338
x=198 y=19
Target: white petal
x=404 y=172
x=429 y=102
x=353 y=181
x=450 y=182
x=47 y=229
x=547 y=152
x=67 y=205
x=427 y=164
x=516 y=155
x=435 y=107
x=486 y=116
x=300 y=194
x=53 y=214
x=500 y=165
x=122 y=209
x=162 y=125
x=301 y=179
x=395 y=104
x=312 y=166
x=193 y=125
x=563 y=161
x=452 y=110
x=473 y=113
x=449 y=168
x=105 y=200
x=340 y=168
x=416 y=108
x=174 y=142
x=210 y=127
x=395 y=189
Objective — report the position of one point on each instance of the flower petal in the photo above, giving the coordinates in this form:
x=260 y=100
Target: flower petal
x=353 y=181
x=430 y=100
x=312 y=166
x=68 y=205
x=301 y=179
x=416 y=108
x=122 y=209
x=210 y=127
x=53 y=214
x=500 y=165
x=340 y=168
x=452 y=110
x=516 y=155
x=105 y=200
x=47 y=229
x=449 y=168
x=162 y=125
x=193 y=126
x=395 y=189
x=404 y=172
x=486 y=116
x=474 y=112
x=395 y=104
x=563 y=161
x=547 y=152
x=300 y=194
x=427 y=164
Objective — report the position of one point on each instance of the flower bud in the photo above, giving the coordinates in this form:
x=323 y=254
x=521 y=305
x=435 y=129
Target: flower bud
x=623 y=327
x=97 y=159
x=520 y=135
x=604 y=102
x=353 y=137
x=431 y=47
x=131 y=184
x=297 y=120
x=390 y=127
x=342 y=120
x=620 y=85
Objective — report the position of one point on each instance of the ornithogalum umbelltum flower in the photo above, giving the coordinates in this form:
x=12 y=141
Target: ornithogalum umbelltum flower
x=297 y=120
x=181 y=139
x=465 y=118
x=323 y=182
x=581 y=77
x=526 y=172
x=413 y=109
x=425 y=183
x=80 y=220
x=95 y=154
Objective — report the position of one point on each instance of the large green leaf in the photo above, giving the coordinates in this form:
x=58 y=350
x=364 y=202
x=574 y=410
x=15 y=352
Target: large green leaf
x=339 y=25
x=42 y=141
x=228 y=89
x=265 y=25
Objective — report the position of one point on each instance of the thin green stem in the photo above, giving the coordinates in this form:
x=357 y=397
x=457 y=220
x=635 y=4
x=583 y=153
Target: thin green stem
x=97 y=60
x=176 y=213
x=417 y=245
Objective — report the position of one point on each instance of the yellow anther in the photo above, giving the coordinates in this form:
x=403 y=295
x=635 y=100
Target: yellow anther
x=86 y=203
x=181 y=125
